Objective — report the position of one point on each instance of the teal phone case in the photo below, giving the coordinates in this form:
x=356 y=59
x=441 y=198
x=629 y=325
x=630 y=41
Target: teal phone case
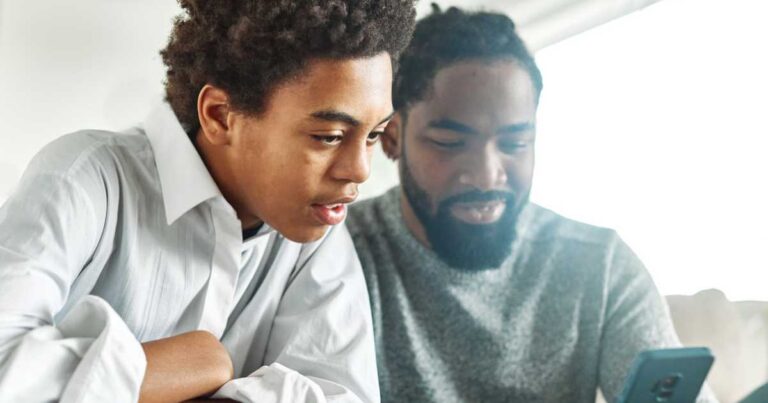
x=667 y=376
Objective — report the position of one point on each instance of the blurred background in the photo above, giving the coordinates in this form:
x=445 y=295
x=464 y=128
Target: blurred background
x=652 y=122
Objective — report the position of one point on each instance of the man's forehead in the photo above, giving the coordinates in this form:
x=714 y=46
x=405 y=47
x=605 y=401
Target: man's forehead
x=497 y=81
x=484 y=96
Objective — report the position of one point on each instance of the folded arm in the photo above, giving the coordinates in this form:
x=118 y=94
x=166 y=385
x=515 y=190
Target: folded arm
x=183 y=367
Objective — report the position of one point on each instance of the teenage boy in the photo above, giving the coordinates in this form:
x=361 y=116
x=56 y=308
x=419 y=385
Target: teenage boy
x=200 y=251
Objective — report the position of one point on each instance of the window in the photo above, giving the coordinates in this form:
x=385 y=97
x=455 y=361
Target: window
x=655 y=125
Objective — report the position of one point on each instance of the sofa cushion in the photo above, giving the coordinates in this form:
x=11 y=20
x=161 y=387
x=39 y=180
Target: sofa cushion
x=737 y=334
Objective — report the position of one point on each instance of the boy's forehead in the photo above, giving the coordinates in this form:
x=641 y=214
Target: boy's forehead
x=357 y=87
x=322 y=73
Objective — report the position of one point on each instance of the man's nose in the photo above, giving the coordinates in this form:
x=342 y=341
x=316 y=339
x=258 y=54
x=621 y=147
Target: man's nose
x=484 y=170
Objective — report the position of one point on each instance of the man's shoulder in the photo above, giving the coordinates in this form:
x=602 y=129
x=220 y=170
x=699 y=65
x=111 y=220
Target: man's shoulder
x=371 y=215
x=545 y=225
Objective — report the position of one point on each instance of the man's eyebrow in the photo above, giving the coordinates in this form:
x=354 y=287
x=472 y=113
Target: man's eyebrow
x=516 y=128
x=336 y=116
x=452 y=125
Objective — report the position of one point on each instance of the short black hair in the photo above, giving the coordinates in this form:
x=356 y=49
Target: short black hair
x=249 y=47
x=445 y=38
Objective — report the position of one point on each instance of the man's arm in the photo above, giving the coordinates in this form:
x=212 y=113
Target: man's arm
x=636 y=319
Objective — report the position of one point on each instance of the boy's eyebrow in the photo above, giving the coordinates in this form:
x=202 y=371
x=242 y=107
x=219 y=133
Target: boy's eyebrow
x=391 y=115
x=331 y=115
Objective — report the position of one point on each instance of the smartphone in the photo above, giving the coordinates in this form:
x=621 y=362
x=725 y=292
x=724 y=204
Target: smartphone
x=667 y=376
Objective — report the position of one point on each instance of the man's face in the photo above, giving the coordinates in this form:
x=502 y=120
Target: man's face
x=299 y=163
x=467 y=161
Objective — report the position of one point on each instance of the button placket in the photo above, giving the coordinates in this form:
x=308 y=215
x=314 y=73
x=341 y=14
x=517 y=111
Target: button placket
x=225 y=266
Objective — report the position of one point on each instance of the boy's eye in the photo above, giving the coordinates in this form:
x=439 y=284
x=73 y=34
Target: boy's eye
x=327 y=139
x=374 y=137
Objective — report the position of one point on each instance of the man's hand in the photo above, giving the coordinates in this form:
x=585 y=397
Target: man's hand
x=184 y=367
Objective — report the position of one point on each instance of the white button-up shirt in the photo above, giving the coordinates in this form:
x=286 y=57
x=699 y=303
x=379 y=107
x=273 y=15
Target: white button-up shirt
x=112 y=239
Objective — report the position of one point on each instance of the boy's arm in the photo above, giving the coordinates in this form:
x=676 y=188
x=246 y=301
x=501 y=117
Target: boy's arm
x=49 y=230
x=183 y=367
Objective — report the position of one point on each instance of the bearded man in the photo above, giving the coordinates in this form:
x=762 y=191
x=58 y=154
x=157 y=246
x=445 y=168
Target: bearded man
x=477 y=294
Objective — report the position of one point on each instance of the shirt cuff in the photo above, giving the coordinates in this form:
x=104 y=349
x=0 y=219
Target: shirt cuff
x=272 y=384
x=90 y=356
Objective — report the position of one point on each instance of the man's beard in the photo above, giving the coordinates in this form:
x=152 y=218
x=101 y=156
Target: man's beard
x=464 y=246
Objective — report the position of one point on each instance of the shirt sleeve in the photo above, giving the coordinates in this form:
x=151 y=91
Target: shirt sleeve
x=321 y=344
x=637 y=319
x=49 y=229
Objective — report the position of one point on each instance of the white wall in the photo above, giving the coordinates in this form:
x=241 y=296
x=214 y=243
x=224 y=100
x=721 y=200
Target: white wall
x=655 y=124
x=69 y=65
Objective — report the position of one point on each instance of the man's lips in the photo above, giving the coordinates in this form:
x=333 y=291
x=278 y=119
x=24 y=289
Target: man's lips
x=332 y=213
x=479 y=212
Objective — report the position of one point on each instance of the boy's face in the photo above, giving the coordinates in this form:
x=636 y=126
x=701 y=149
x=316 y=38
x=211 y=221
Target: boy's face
x=298 y=164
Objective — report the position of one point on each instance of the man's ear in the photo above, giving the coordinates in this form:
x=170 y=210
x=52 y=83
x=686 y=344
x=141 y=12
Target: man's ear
x=392 y=137
x=213 y=112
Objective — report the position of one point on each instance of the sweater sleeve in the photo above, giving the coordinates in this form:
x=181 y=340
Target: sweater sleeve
x=636 y=319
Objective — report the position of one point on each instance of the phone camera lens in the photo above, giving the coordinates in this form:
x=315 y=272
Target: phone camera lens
x=671 y=381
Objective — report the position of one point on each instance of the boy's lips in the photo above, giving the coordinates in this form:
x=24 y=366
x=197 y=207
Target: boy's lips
x=332 y=213
x=329 y=214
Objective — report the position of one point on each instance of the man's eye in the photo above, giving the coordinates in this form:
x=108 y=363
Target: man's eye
x=373 y=137
x=447 y=145
x=513 y=146
x=330 y=140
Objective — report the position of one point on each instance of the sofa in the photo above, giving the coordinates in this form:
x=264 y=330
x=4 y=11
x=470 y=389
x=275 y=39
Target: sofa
x=737 y=334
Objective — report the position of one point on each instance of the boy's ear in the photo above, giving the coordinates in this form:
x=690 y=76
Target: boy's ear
x=213 y=114
x=392 y=137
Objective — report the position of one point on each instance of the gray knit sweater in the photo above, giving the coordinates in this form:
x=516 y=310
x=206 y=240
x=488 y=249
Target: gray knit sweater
x=565 y=314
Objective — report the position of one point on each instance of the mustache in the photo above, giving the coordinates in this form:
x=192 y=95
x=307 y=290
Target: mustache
x=480 y=196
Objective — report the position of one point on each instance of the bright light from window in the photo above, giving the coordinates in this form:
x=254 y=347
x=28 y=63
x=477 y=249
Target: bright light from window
x=655 y=125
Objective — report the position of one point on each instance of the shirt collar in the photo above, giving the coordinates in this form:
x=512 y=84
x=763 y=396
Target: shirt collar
x=184 y=178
